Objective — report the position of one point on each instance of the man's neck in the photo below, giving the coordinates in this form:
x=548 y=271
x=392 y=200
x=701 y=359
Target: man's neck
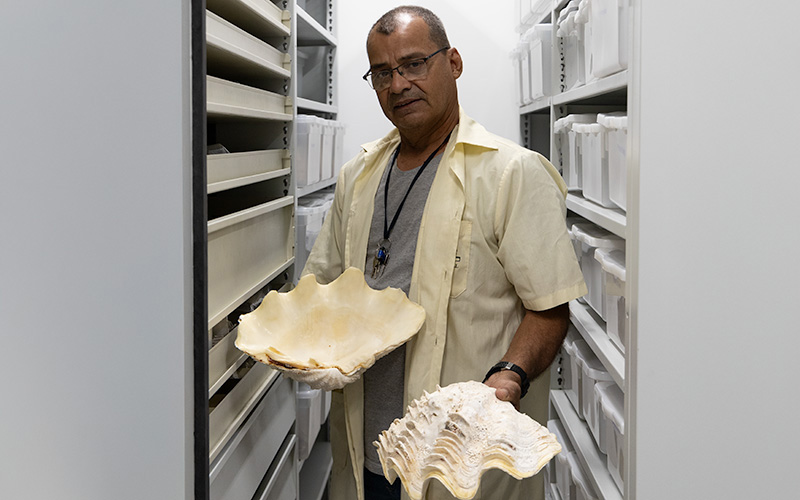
x=414 y=149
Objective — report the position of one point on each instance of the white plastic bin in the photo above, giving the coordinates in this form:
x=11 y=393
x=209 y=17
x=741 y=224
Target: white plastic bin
x=308 y=412
x=609 y=36
x=594 y=162
x=583 y=488
x=583 y=19
x=308 y=150
x=567 y=142
x=338 y=148
x=560 y=466
x=612 y=262
x=592 y=373
x=612 y=402
x=311 y=212
x=580 y=350
x=516 y=62
x=524 y=48
x=591 y=238
x=569 y=374
x=596 y=420
x=616 y=125
x=570 y=34
x=540 y=38
x=326 y=160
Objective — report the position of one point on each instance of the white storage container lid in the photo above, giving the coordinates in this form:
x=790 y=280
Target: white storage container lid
x=596 y=236
x=616 y=120
x=590 y=363
x=572 y=336
x=612 y=401
x=612 y=262
x=568 y=121
x=580 y=478
x=557 y=428
x=588 y=128
x=582 y=16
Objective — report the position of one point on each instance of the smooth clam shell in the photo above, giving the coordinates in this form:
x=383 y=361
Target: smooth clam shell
x=327 y=335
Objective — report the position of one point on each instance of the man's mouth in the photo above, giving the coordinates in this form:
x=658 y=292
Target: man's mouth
x=404 y=103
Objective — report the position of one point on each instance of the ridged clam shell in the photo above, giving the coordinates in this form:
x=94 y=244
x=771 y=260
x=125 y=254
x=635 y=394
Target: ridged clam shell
x=457 y=433
x=327 y=335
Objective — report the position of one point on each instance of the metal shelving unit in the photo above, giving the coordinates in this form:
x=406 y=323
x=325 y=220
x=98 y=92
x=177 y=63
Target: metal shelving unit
x=609 y=93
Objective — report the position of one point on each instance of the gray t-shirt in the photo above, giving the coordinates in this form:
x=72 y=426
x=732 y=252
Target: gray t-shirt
x=383 y=382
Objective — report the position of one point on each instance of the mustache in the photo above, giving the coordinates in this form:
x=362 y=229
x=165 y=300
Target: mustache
x=395 y=100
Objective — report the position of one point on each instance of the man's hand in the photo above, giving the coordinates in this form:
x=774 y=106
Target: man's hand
x=507 y=385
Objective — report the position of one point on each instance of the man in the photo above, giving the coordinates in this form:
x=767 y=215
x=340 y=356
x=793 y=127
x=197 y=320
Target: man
x=471 y=226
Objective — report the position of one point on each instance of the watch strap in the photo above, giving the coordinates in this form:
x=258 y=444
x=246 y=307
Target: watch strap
x=507 y=365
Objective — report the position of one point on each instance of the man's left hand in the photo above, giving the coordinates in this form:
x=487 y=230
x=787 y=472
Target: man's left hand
x=507 y=385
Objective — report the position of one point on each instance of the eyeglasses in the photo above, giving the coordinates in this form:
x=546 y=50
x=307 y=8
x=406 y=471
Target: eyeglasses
x=416 y=69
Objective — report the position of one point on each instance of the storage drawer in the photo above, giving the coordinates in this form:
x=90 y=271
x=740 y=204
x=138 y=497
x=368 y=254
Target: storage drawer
x=224 y=98
x=223 y=359
x=229 y=170
x=232 y=410
x=239 y=469
x=244 y=248
x=261 y=18
x=232 y=49
x=280 y=483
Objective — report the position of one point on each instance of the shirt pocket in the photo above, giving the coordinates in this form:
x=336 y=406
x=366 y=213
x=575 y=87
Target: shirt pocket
x=461 y=265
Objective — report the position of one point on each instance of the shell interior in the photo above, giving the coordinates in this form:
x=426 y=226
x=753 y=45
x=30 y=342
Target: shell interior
x=327 y=335
x=457 y=433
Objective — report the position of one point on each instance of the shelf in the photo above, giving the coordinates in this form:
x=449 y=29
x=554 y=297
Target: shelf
x=607 y=85
x=311 y=105
x=310 y=32
x=261 y=18
x=244 y=181
x=315 y=471
x=304 y=190
x=540 y=104
x=232 y=51
x=592 y=461
x=233 y=100
x=593 y=331
x=610 y=219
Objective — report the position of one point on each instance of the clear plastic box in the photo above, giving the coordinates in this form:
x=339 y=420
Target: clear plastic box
x=616 y=125
x=567 y=142
x=583 y=488
x=308 y=412
x=570 y=34
x=338 y=148
x=612 y=403
x=583 y=19
x=326 y=160
x=594 y=159
x=311 y=212
x=612 y=262
x=308 y=151
x=591 y=238
x=559 y=468
x=570 y=379
x=541 y=48
x=593 y=373
x=609 y=37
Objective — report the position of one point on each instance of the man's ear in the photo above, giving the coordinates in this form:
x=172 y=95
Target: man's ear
x=456 y=63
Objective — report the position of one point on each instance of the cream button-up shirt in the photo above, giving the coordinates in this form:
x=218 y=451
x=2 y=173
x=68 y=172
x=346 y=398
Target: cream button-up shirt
x=492 y=242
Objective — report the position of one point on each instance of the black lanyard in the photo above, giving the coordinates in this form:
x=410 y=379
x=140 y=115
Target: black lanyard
x=387 y=228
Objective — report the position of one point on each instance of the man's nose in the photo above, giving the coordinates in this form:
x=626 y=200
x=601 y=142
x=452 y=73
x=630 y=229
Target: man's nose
x=399 y=83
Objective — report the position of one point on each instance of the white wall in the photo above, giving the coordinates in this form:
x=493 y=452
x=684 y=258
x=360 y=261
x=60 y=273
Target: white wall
x=95 y=269
x=718 y=336
x=483 y=35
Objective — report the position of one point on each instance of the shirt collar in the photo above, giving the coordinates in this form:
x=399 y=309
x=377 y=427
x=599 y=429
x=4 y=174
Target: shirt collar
x=468 y=131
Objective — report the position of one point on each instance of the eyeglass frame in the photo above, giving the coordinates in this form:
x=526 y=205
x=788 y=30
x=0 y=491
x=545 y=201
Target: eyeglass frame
x=424 y=60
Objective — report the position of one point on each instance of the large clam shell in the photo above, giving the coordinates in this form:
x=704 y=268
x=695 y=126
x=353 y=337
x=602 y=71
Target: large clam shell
x=327 y=335
x=457 y=433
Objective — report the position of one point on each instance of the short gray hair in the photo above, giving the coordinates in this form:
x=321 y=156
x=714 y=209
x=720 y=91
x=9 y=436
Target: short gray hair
x=388 y=23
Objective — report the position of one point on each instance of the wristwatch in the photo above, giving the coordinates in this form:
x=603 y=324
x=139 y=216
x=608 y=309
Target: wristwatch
x=506 y=365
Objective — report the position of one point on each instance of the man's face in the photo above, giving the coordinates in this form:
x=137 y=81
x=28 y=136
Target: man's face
x=422 y=104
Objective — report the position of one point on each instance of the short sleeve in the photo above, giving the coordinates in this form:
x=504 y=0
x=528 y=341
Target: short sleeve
x=533 y=244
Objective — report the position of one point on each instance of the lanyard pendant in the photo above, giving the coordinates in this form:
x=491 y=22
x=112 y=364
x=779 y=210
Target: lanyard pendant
x=381 y=258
